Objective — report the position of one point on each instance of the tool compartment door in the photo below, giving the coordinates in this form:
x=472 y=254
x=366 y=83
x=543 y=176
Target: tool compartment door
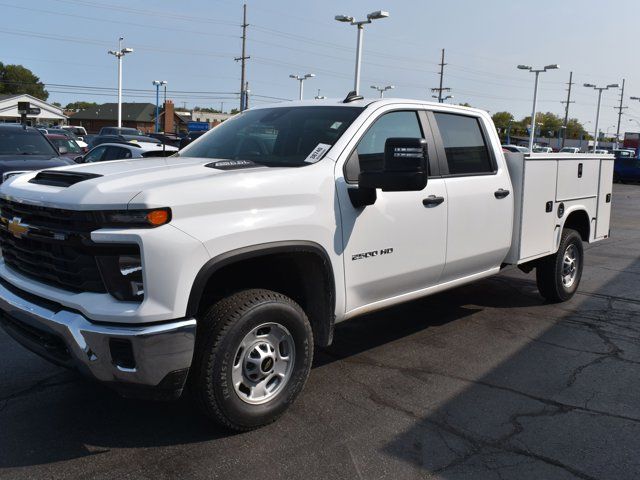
x=538 y=223
x=577 y=179
x=603 y=218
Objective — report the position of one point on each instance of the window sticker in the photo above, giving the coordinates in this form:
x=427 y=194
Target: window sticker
x=317 y=153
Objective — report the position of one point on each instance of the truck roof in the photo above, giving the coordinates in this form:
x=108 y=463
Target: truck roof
x=339 y=102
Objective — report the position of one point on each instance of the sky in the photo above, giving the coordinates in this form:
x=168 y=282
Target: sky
x=192 y=44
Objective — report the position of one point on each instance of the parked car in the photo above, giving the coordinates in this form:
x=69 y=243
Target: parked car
x=134 y=139
x=122 y=151
x=166 y=138
x=80 y=132
x=66 y=146
x=538 y=149
x=515 y=149
x=271 y=229
x=569 y=150
x=71 y=135
x=601 y=151
x=119 y=131
x=627 y=166
x=23 y=149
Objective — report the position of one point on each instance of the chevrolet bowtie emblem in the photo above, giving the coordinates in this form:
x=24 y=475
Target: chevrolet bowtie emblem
x=17 y=228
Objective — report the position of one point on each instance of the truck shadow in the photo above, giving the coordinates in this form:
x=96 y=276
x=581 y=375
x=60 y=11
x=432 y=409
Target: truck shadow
x=65 y=417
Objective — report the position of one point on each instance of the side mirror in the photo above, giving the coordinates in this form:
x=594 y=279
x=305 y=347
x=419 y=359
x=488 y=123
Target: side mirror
x=79 y=159
x=63 y=150
x=405 y=167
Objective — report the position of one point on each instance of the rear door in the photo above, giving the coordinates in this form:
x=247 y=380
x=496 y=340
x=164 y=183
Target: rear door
x=479 y=194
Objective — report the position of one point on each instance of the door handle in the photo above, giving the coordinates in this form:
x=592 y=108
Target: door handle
x=432 y=201
x=501 y=193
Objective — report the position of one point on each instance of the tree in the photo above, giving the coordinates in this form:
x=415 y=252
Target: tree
x=16 y=79
x=79 y=105
x=56 y=104
x=502 y=121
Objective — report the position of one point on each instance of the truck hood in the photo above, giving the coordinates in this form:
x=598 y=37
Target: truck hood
x=151 y=181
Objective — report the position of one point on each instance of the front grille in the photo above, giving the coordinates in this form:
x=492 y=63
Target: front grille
x=50 y=245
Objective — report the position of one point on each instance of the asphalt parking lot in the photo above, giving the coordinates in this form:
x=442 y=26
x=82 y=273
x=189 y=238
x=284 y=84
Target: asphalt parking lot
x=483 y=382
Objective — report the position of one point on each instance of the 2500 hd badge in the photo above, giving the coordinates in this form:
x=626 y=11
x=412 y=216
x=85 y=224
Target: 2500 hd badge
x=373 y=253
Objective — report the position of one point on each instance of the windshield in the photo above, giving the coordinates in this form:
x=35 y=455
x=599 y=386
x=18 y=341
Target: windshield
x=70 y=145
x=17 y=141
x=284 y=136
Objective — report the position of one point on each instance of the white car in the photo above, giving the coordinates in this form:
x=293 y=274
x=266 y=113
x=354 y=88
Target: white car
x=569 y=150
x=542 y=150
x=123 y=151
x=223 y=265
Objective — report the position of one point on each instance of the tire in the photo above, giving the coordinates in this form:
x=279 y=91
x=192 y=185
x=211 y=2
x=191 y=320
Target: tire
x=556 y=278
x=249 y=334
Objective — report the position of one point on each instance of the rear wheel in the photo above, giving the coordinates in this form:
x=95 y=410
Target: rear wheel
x=253 y=355
x=558 y=275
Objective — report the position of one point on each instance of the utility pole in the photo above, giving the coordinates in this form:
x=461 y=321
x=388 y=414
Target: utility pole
x=566 y=108
x=620 y=109
x=243 y=59
x=441 y=89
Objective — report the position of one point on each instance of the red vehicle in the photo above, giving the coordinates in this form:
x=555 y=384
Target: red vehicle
x=67 y=147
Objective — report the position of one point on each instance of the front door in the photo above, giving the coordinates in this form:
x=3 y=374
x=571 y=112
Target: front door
x=398 y=244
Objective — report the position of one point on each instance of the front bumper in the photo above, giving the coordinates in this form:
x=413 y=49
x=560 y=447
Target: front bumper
x=149 y=360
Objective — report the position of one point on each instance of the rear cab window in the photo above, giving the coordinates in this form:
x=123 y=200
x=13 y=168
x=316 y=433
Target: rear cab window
x=465 y=145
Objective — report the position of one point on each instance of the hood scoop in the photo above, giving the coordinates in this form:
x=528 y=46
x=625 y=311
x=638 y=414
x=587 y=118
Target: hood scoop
x=63 y=179
x=232 y=164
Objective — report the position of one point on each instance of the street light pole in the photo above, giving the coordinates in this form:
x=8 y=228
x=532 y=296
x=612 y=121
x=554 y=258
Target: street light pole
x=535 y=97
x=600 y=90
x=157 y=84
x=121 y=52
x=382 y=89
x=301 y=79
x=360 y=25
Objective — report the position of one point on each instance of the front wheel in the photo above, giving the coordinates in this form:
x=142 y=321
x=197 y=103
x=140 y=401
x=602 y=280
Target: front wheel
x=558 y=275
x=253 y=355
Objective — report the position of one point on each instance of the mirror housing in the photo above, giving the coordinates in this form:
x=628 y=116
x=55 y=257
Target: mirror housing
x=405 y=167
x=79 y=159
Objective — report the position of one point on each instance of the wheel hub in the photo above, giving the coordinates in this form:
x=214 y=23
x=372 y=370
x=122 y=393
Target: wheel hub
x=570 y=266
x=263 y=363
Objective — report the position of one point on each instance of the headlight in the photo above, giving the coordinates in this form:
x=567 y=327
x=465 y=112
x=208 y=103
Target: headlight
x=122 y=275
x=134 y=218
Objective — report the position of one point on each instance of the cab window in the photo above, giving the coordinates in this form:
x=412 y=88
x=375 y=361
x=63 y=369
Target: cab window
x=464 y=144
x=369 y=154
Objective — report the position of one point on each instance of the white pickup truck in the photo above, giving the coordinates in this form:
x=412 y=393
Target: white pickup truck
x=221 y=267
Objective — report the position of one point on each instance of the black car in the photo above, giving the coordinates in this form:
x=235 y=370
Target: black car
x=23 y=149
x=119 y=131
x=128 y=139
x=166 y=138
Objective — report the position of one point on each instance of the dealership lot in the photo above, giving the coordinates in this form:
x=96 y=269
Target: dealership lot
x=485 y=381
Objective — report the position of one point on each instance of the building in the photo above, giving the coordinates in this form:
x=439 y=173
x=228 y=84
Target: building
x=134 y=115
x=211 y=118
x=49 y=114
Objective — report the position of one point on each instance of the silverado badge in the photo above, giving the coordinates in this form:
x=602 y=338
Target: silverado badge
x=17 y=228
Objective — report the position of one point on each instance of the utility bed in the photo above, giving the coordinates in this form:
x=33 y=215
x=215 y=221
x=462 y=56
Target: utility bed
x=546 y=189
